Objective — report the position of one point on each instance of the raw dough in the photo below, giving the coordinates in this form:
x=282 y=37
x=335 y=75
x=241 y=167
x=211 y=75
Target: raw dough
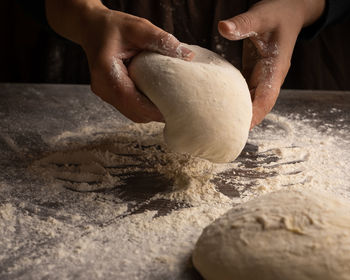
x=284 y=235
x=206 y=102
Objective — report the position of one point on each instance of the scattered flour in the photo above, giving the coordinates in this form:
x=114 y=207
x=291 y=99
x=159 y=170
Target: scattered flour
x=95 y=229
x=117 y=71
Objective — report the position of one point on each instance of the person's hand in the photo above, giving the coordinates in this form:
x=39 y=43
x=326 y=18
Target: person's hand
x=111 y=38
x=114 y=38
x=272 y=27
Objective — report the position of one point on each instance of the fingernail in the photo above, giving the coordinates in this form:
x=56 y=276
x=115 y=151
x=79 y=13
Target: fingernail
x=185 y=53
x=231 y=27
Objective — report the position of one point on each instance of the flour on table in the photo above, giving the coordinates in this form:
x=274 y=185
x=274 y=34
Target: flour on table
x=88 y=186
x=292 y=155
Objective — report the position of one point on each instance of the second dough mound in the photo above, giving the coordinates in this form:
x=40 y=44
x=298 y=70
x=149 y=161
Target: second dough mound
x=289 y=235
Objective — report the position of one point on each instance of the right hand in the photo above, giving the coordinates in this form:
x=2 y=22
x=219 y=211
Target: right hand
x=272 y=27
x=109 y=38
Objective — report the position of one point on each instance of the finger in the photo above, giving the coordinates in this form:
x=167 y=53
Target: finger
x=269 y=73
x=119 y=91
x=167 y=44
x=250 y=56
x=153 y=38
x=266 y=80
x=255 y=21
x=264 y=100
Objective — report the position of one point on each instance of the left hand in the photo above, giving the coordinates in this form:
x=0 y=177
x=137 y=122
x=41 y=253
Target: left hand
x=272 y=27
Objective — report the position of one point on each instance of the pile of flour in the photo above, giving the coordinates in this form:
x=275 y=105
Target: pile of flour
x=304 y=157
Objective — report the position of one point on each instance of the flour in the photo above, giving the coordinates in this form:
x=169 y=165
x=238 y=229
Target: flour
x=302 y=160
x=148 y=228
x=117 y=71
x=236 y=35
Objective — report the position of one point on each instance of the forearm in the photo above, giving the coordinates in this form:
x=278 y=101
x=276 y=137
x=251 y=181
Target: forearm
x=68 y=18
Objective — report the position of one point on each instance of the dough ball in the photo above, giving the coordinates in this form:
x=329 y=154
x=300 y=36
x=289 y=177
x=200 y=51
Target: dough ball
x=206 y=102
x=284 y=235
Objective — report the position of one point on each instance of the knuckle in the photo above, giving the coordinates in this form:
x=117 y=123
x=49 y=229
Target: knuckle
x=139 y=21
x=167 y=43
x=162 y=35
x=164 y=39
x=136 y=26
x=244 y=20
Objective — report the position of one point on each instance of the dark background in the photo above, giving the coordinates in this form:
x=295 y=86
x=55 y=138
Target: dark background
x=31 y=53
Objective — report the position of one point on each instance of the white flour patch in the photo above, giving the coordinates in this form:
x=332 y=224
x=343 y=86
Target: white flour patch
x=117 y=71
x=303 y=157
x=119 y=226
x=239 y=36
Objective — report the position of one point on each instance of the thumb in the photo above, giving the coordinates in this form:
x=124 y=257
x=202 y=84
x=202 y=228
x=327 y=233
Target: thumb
x=248 y=24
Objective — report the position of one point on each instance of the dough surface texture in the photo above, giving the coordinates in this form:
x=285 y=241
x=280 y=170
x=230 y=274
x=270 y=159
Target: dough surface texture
x=280 y=236
x=205 y=103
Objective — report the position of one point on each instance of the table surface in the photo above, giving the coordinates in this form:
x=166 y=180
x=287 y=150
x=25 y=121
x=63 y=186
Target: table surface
x=33 y=115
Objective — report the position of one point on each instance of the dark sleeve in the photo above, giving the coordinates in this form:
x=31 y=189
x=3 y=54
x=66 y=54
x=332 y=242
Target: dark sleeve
x=335 y=11
x=36 y=8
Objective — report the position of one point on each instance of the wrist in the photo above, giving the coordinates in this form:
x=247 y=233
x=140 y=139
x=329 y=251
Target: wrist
x=69 y=17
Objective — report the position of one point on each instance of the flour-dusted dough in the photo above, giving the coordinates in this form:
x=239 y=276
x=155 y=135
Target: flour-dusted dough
x=280 y=236
x=206 y=102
